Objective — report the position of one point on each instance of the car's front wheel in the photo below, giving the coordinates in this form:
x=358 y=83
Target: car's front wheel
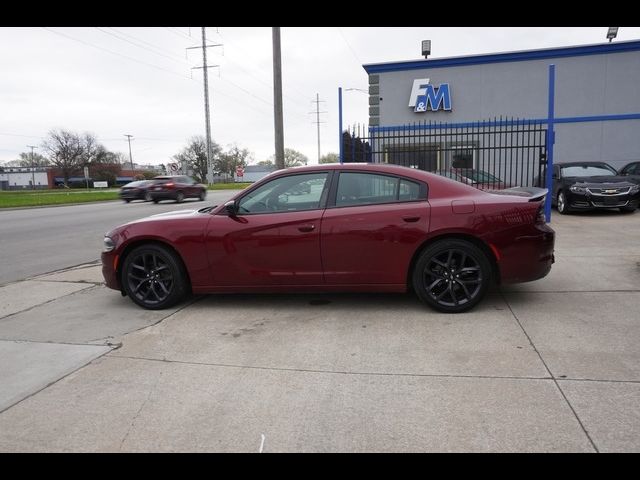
x=179 y=197
x=147 y=197
x=562 y=206
x=153 y=277
x=203 y=195
x=452 y=276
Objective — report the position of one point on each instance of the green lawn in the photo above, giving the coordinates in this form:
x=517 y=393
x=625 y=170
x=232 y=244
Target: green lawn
x=229 y=186
x=53 y=197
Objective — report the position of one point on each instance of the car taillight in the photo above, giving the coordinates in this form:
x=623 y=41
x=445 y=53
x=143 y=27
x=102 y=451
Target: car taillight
x=170 y=184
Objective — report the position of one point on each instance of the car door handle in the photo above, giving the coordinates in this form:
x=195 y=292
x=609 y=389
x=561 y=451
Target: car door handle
x=307 y=228
x=411 y=219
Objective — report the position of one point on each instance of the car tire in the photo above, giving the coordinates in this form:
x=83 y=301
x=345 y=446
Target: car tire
x=126 y=200
x=203 y=195
x=452 y=276
x=147 y=197
x=561 y=203
x=154 y=277
x=155 y=200
x=628 y=209
x=179 y=197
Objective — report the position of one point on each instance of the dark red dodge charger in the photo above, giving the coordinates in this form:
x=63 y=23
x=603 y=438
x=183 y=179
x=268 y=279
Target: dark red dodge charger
x=329 y=228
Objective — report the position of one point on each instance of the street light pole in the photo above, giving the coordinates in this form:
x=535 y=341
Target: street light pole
x=340 y=115
x=33 y=175
x=130 y=157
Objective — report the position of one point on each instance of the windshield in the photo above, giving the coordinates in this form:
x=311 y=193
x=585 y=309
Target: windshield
x=588 y=171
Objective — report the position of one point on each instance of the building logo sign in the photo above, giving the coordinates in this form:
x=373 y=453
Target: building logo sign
x=425 y=97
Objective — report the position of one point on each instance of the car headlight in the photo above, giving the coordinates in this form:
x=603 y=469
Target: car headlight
x=109 y=245
x=578 y=189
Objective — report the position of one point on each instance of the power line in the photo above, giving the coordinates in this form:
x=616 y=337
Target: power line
x=116 y=53
x=317 y=101
x=349 y=45
x=241 y=50
x=140 y=46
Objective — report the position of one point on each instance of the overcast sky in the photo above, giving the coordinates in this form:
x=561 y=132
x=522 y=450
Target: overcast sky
x=139 y=81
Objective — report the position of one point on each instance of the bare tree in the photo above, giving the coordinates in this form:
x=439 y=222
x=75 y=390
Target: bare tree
x=233 y=158
x=292 y=158
x=65 y=151
x=330 y=158
x=38 y=160
x=69 y=151
x=195 y=156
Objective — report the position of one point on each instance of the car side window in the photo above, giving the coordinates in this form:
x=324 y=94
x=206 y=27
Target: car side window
x=285 y=194
x=370 y=188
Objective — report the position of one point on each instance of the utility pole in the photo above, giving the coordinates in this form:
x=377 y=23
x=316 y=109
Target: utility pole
x=33 y=175
x=130 y=157
x=277 y=98
x=318 y=112
x=207 y=119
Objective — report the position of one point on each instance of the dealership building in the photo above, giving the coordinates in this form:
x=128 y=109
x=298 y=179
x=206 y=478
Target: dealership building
x=588 y=95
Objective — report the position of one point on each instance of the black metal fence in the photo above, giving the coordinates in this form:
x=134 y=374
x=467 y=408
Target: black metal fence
x=494 y=153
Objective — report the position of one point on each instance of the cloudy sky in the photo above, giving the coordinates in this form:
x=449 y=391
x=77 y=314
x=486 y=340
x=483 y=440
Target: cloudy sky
x=141 y=81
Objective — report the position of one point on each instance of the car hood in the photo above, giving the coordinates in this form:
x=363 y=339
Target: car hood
x=606 y=181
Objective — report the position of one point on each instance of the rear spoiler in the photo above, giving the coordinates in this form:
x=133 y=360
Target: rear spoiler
x=533 y=193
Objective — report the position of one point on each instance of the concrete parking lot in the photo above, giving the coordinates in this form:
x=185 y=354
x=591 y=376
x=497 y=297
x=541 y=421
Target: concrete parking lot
x=548 y=366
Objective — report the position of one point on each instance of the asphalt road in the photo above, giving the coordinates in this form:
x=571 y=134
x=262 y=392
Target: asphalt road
x=40 y=240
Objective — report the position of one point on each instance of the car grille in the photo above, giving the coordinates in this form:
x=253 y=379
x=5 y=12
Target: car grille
x=609 y=203
x=609 y=191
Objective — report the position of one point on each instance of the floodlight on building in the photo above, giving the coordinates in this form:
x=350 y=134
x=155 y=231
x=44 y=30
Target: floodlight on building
x=612 y=33
x=426 y=48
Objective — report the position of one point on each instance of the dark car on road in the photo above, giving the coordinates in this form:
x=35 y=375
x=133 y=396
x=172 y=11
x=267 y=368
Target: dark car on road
x=362 y=228
x=138 y=190
x=176 y=187
x=631 y=172
x=590 y=186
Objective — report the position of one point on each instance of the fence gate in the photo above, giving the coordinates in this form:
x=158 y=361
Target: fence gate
x=487 y=154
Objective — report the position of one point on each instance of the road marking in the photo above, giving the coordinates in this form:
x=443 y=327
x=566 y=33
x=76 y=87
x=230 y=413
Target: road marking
x=261 y=443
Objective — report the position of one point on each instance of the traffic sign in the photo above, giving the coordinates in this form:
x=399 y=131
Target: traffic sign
x=239 y=172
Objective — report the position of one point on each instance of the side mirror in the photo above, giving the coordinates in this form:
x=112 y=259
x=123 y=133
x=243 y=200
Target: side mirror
x=231 y=207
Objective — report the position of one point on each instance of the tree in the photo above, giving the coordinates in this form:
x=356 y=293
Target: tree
x=233 y=158
x=330 y=158
x=354 y=149
x=195 y=156
x=69 y=151
x=266 y=163
x=37 y=161
x=292 y=158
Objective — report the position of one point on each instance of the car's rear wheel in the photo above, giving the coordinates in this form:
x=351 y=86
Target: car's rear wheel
x=153 y=277
x=562 y=206
x=179 y=197
x=452 y=276
x=203 y=195
x=147 y=197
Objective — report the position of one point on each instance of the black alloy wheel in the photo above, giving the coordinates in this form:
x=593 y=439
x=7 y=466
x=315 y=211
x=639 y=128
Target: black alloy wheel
x=203 y=195
x=147 y=197
x=179 y=197
x=153 y=277
x=452 y=276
